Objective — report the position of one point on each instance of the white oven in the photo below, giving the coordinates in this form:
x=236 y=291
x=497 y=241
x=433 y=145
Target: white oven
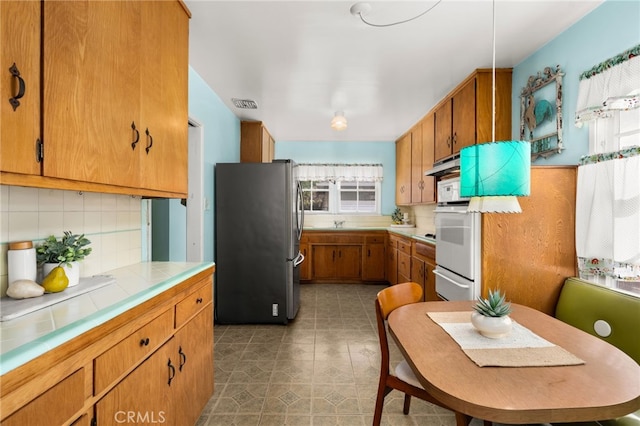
x=457 y=245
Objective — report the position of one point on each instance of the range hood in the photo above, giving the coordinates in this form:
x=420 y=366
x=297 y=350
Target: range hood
x=445 y=167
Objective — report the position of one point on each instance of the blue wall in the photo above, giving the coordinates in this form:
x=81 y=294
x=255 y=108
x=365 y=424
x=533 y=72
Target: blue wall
x=610 y=29
x=221 y=133
x=351 y=152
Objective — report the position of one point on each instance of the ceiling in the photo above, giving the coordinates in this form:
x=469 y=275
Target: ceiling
x=301 y=61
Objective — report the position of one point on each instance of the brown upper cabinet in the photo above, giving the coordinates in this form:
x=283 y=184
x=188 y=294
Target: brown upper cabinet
x=403 y=170
x=256 y=143
x=114 y=99
x=20 y=117
x=464 y=117
x=422 y=187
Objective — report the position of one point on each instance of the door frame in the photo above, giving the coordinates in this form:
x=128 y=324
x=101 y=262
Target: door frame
x=195 y=200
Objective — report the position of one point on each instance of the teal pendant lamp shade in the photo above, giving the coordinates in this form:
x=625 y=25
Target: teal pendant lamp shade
x=498 y=172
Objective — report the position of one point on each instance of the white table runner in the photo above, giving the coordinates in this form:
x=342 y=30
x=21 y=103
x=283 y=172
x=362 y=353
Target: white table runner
x=521 y=348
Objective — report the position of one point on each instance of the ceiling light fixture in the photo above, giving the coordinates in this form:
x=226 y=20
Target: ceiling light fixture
x=339 y=122
x=361 y=9
x=494 y=174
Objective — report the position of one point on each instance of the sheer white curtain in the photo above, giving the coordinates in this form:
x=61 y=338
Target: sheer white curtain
x=340 y=172
x=608 y=193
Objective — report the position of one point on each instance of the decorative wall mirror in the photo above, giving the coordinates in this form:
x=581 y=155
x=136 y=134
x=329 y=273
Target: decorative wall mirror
x=541 y=115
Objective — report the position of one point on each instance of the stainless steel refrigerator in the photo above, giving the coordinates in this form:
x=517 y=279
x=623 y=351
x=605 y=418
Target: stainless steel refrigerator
x=258 y=224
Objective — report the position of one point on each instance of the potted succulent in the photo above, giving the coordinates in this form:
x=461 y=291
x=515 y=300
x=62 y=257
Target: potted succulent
x=491 y=315
x=65 y=252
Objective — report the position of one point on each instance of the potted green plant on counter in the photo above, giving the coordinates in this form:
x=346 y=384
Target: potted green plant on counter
x=65 y=252
x=491 y=315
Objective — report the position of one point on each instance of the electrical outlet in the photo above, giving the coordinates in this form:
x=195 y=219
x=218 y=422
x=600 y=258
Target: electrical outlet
x=274 y=309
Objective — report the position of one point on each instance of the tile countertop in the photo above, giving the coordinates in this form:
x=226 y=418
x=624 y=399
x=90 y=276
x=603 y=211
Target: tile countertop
x=27 y=337
x=415 y=233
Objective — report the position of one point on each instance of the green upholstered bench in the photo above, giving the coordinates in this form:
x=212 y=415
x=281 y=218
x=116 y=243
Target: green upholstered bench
x=610 y=315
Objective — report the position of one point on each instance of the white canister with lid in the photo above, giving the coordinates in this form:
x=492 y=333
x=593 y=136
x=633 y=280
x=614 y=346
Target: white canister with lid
x=21 y=261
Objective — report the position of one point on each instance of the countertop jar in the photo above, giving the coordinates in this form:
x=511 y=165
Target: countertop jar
x=21 y=261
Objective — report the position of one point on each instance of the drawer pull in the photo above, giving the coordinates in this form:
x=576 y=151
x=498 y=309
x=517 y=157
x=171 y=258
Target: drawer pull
x=150 y=139
x=183 y=358
x=199 y=300
x=15 y=72
x=137 y=137
x=172 y=371
x=144 y=342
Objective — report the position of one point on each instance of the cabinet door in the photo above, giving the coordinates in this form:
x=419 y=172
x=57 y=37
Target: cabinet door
x=428 y=140
x=348 y=262
x=373 y=266
x=323 y=261
x=305 y=267
x=145 y=394
x=193 y=348
x=392 y=266
x=417 y=172
x=403 y=170
x=464 y=117
x=430 y=281
x=164 y=87
x=20 y=130
x=443 y=143
x=417 y=273
x=267 y=146
x=55 y=406
x=91 y=89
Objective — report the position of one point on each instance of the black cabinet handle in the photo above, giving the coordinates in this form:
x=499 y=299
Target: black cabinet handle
x=199 y=300
x=15 y=72
x=368 y=252
x=183 y=358
x=150 y=139
x=172 y=371
x=136 y=139
x=144 y=342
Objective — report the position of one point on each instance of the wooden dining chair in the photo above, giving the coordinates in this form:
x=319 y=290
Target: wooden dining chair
x=404 y=379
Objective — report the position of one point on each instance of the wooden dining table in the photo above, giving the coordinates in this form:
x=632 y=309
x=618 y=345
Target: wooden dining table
x=605 y=386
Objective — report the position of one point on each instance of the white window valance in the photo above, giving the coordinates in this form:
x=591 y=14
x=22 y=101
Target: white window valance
x=340 y=172
x=611 y=85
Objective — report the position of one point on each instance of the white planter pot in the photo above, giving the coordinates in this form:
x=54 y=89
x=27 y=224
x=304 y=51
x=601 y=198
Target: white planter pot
x=72 y=272
x=492 y=327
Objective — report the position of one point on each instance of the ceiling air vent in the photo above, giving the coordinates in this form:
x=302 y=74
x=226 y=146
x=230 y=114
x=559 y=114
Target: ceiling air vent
x=244 y=103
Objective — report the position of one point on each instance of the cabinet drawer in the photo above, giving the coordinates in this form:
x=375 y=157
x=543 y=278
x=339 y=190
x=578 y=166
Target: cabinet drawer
x=404 y=246
x=55 y=406
x=426 y=250
x=126 y=354
x=193 y=303
x=404 y=264
x=374 y=239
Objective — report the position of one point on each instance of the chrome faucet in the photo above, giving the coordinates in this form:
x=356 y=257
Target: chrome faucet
x=338 y=223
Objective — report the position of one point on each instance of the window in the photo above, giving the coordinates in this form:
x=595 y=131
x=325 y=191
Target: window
x=340 y=197
x=608 y=192
x=315 y=196
x=340 y=188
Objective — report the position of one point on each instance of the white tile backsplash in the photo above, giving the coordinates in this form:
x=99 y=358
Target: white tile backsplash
x=112 y=223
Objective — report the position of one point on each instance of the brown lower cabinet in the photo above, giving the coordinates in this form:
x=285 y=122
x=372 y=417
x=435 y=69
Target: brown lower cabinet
x=423 y=262
x=343 y=256
x=151 y=364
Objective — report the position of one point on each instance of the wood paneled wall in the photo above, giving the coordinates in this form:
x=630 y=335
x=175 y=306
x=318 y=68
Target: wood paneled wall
x=529 y=255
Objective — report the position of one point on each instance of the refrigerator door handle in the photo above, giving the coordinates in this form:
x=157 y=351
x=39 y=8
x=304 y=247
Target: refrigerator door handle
x=299 y=209
x=298 y=260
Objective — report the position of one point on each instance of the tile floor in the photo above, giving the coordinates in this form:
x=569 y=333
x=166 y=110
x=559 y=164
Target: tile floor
x=320 y=369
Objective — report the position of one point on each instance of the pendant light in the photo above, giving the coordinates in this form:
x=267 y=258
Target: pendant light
x=494 y=174
x=339 y=122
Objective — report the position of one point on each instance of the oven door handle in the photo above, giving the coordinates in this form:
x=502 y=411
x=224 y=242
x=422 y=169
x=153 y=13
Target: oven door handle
x=435 y=271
